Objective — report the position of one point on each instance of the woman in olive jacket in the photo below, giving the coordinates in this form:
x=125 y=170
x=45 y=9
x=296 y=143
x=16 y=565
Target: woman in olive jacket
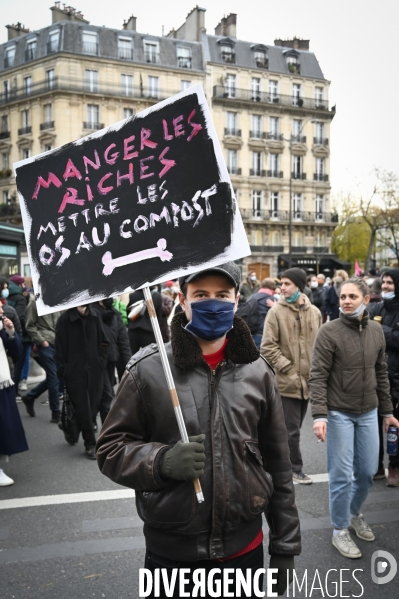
x=348 y=384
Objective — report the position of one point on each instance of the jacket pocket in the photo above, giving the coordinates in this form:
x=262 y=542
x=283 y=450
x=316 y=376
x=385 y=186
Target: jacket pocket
x=171 y=506
x=259 y=483
x=353 y=381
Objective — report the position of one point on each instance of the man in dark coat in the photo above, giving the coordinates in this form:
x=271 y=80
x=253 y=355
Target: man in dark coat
x=387 y=312
x=19 y=301
x=81 y=350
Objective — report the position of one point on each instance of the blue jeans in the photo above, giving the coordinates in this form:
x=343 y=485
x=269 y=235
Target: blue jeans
x=257 y=340
x=352 y=461
x=47 y=361
x=25 y=368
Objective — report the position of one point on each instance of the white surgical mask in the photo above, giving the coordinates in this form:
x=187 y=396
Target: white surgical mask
x=356 y=313
x=314 y=284
x=388 y=295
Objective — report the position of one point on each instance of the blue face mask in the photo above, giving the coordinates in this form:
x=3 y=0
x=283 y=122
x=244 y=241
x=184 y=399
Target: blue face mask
x=5 y=293
x=294 y=297
x=388 y=295
x=211 y=319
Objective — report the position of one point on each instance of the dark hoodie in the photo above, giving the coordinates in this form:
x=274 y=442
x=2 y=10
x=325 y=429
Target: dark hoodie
x=389 y=311
x=18 y=301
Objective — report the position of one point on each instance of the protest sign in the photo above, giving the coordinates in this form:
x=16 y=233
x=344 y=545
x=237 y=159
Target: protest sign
x=139 y=202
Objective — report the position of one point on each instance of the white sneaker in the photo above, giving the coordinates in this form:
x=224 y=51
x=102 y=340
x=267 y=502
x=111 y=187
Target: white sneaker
x=5 y=481
x=22 y=385
x=362 y=529
x=343 y=542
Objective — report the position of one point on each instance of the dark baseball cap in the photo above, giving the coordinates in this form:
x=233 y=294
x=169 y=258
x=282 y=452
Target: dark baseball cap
x=229 y=270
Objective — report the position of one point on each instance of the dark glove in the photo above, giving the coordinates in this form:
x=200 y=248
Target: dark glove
x=285 y=566
x=185 y=461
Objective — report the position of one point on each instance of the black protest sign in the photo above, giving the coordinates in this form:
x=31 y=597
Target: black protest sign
x=140 y=201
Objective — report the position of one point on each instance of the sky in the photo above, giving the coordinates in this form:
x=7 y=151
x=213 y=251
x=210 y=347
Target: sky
x=355 y=42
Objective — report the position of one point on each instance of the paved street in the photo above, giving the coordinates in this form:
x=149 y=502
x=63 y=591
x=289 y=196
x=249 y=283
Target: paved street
x=68 y=532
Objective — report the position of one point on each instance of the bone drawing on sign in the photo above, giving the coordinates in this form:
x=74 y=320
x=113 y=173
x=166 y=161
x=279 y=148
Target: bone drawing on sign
x=158 y=252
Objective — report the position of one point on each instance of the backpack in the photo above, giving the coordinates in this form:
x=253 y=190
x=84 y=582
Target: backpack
x=249 y=312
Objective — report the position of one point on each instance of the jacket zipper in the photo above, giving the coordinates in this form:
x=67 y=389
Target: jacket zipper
x=213 y=380
x=364 y=365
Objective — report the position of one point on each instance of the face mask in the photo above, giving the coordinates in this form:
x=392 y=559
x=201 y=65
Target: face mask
x=356 y=313
x=252 y=278
x=386 y=295
x=338 y=281
x=314 y=284
x=108 y=302
x=276 y=296
x=211 y=319
x=294 y=297
x=5 y=293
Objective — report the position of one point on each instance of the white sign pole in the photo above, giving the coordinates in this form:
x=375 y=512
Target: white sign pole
x=170 y=382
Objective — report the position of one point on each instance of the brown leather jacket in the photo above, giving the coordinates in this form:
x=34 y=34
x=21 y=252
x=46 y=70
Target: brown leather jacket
x=238 y=407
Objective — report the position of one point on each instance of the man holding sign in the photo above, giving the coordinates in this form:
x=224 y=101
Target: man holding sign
x=238 y=444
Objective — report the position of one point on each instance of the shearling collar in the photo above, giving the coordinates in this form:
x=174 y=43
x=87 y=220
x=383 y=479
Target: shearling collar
x=240 y=349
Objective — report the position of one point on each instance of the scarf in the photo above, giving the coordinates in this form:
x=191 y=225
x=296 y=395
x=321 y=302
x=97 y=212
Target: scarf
x=5 y=375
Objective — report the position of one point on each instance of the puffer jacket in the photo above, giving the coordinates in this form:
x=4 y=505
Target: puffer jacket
x=288 y=337
x=349 y=371
x=238 y=407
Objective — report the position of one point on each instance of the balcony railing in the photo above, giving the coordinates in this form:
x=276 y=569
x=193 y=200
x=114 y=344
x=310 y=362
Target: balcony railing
x=8 y=62
x=80 y=86
x=294 y=68
x=257 y=135
x=30 y=54
x=234 y=132
x=184 y=62
x=283 y=216
x=301 y=176
x=52 y=47
x=10 y=209
x=320 y=177
x=93 y=125
x=274 y=135
x=5 y=173
x=276 y=174
x=277 y=249
x=322 y=141
x=247 y=95
x=229 y=57
x=125 y=53
x=90 y=48
x=262 y=63
x=234 y=170
x=46 y=125
x=152 y=57
x=299 y=249
x=25 y=130
x=299 y=139
x=257 y=172
x=5 y=135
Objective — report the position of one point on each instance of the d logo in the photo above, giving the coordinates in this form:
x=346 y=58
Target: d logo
x=382 y=566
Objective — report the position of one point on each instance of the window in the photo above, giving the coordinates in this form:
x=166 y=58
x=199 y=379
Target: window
x=25 y=118
x=50 y=78
x=260 y=59
x=127 y=113
x=91 y=81
x=296 y=94
x=6 y=196
x=27 y=85
x=125 y=48
x=274 y=165
x=256 y=164
x=319 y=207
x=90 y=42
x=93 y=116
x=273 y=90
x=274 y=205
x=256 y=204
x=319 y=129
x=151 y=52
x=319 y=96
x=6 y=90
x=297 y=206
x=320 y=166
x=184 y=85
x=256 y=131
x=297 y=239
x=274 y=127
x=183 y=57
x=9 y=57
x=293 y=64
x=231 y=86
x=297 y=127
x=4 y=123
x=231 y=128
x=127 y=85
x=297 y=167
x=48 y=113
x=153 y=87
x=228 y=53
x=48 y=147
x=255 y=88
x=30 y=50
x=232 y=161
x=319 y=239
x=53 y=40
x=5 y=160
x=25 y=153
x=274 y=238
x=256 y=237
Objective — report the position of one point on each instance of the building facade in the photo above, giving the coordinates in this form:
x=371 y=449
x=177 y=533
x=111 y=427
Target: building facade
x=269 y=105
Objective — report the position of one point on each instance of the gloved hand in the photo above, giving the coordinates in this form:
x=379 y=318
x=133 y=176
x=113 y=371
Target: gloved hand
x=184 y=461
x=285 y=566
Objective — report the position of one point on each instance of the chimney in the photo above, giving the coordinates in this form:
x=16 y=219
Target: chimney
x=67 y=13
x=130 y=25
x=193 y=26
x=16 y=30
x=296 y=43
x=227 y=26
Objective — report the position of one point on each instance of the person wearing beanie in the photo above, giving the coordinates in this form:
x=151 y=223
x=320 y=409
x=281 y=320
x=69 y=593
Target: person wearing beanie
x=288 y=337
x=387 y=313
x=19 y=301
